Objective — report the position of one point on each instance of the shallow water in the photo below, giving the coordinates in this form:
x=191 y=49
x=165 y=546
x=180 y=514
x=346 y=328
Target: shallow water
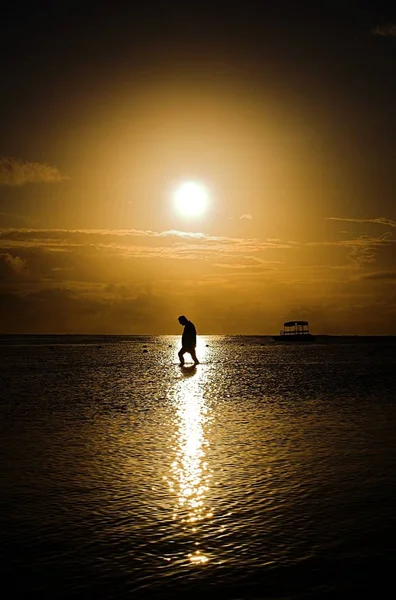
x=267 y=471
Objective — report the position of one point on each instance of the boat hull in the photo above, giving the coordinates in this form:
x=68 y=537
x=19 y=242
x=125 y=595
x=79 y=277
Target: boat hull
x=294 y=339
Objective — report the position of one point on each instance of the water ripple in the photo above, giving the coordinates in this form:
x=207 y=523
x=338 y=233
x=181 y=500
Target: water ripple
x=258 y=473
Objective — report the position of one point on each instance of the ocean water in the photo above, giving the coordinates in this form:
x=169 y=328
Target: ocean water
x=269 y=471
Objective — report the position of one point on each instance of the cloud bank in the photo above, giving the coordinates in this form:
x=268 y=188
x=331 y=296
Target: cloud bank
x=128 y=281
x=133 y=242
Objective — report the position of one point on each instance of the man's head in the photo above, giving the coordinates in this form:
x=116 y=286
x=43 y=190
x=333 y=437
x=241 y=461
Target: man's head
x=183 y=320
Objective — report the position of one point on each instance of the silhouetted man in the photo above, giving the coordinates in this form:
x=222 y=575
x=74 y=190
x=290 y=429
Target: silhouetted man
x=189 y=340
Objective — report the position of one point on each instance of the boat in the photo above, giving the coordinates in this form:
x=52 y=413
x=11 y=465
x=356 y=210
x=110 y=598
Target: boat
x=295 y=331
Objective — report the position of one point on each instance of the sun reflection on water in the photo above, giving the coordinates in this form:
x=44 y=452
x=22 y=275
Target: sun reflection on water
x=190 y=473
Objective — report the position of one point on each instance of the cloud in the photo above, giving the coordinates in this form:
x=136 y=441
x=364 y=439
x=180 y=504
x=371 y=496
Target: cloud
x=246 y=216
x=362 y=241
x=15 y=263
x=183 y=234
x=362 y=250
x=388 y=30
x=15 y=172
x=362 y=255
x=249 y=264
x=377 y=220
x=135 y=243
x=381 y=276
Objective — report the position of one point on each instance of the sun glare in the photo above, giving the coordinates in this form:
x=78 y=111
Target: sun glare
x=191 y=199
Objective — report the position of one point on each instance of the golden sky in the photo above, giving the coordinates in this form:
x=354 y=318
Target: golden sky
x=295 y=158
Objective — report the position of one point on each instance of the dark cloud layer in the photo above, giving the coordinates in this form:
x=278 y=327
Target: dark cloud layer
x=66 y=311
x=381 y=276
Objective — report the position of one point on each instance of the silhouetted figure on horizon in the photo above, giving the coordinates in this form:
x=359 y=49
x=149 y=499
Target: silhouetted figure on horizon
x=189 y=340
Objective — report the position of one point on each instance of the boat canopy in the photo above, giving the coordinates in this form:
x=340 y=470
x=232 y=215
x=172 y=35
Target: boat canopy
x=293 y=323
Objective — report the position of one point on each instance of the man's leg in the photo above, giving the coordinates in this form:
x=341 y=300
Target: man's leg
x=181 y=356
x=194 y=356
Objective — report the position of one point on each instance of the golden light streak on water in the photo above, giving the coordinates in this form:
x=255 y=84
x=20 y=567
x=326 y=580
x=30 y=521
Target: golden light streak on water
x=190 y=474
x=198 y=558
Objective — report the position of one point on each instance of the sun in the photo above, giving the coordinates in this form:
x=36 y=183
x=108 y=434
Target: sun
x=191 y=199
